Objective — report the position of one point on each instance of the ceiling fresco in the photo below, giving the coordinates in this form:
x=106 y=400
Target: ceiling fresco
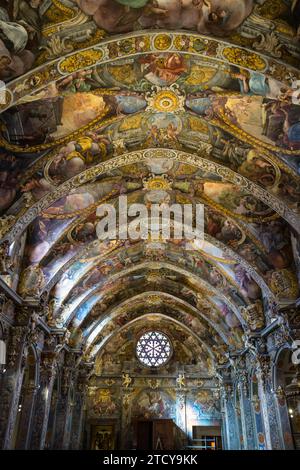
x=36 y=31
x=165 y=101
x=118 y=350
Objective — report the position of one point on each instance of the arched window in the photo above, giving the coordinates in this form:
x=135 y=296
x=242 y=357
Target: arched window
x=153 y=349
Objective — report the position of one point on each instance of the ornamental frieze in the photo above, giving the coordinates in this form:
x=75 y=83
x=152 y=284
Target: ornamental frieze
x=138 y=44
x=138 y=156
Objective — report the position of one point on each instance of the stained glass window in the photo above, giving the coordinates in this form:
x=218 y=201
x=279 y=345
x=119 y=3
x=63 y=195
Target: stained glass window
x=153 y=349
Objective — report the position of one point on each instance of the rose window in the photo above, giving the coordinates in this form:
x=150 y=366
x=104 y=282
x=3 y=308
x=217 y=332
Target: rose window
x=153 y=349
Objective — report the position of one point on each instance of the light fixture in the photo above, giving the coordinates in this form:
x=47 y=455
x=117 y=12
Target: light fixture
x=293 y=389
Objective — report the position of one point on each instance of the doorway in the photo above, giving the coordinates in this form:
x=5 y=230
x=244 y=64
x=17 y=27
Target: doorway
x=158 y=434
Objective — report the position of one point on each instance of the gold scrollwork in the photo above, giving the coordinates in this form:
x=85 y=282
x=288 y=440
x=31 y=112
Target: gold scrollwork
x=244 y=58
x=80 y=60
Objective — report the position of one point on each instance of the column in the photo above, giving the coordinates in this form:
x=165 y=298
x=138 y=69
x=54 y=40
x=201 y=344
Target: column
x=181 y=420
x=78 y=420
x=283 y=418
x=246 y=411
x=11 y=385
x=43 y=401
x=260 y=434
x=126 y=435
x=24 y=422
x=65 y=405
x=50 y=433
x=268 y=407
x=230 y=425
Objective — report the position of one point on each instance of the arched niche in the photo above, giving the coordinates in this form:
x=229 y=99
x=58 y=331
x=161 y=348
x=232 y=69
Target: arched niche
x=287 y=386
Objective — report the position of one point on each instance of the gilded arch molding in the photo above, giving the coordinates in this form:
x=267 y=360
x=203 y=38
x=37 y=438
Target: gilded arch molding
x=188 y=266
x=158 y=296
x=206 y=333
x=137 y=43
x=155 y=265
x=171 y=287
x=135 y=157
x=96 y=348
x=226 y=250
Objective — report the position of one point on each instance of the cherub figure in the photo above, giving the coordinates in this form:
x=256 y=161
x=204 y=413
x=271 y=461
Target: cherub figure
x=180 y=381
x=127 y=380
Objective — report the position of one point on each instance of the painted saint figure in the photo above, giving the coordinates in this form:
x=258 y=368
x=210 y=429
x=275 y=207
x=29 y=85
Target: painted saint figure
x=217 y=17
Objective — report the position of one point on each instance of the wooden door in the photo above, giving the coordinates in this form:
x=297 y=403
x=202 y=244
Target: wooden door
x=144 y=434
x=163 y=435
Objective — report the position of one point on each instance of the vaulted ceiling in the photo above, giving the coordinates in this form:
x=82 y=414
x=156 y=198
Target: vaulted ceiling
x=166 y=101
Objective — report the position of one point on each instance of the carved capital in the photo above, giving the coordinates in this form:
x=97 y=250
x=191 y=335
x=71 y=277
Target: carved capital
x=254 y=315
x=48 y=365
x=243 y=381
x=16 y=344
x=23 y=315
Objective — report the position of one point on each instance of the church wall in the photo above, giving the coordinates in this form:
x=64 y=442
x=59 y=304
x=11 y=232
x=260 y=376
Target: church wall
x=151 y=398
x=120 y=396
